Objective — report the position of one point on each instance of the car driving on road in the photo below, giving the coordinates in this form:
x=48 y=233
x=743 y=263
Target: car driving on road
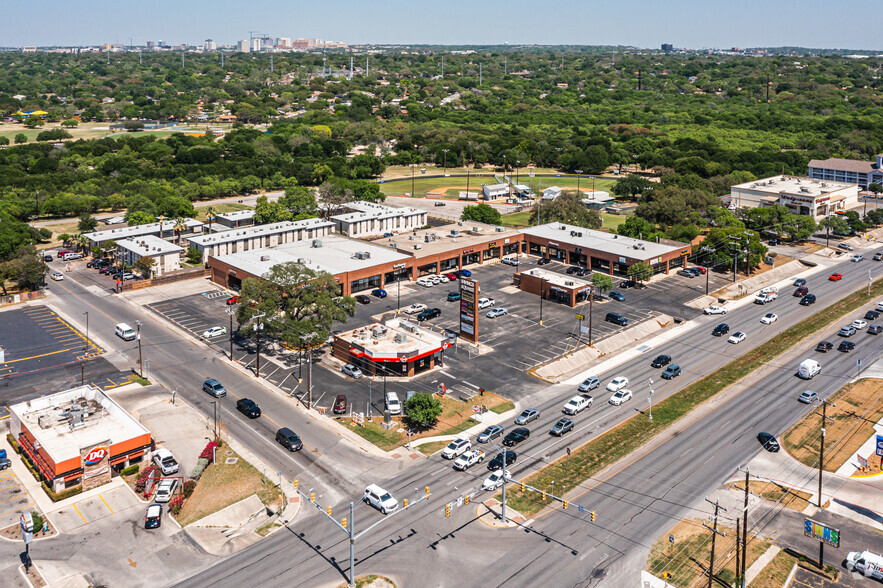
x=561 y=426
x=589 y=383
x=661 y=361
x=492 y=432
x=617 y=384
x=527 y=415
x=620 y=397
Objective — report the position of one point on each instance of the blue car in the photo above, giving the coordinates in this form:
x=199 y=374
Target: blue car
x=617 y=296
x=465 y=273
x=379 y=292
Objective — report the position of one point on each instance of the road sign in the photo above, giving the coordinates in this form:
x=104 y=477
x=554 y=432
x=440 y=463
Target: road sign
x=476 y=408
x=880 y=445
x=580 y=509
x=580 y=317
x=821 y=532
x=671 y=538
x=863 y=462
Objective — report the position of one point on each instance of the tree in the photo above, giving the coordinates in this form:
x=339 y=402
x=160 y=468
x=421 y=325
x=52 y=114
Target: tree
x=82 y=242
x=567 y=208
x=145 y=265
x=139 y=217
x=179 y=227
x=70 y=123
x=835 y=224
x=638 y=228
x=423 y=410
x=333 y=198
x=875 y=188
x=20 y=138
x=798 y=226
x=602 y=282
x=26 y=269
x=482 y=213
x=87 y=223
x=301 y=201
x=270 y=212
x=194 y=256
x=300 y=304
x=33 y=122
x=4 y=140
x=640 y=271
x=632 y=186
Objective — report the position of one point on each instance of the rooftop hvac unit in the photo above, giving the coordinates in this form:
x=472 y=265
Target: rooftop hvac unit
x=378 y=331
x=476 y=229
x=409 y=326
x=317 y=243
x=418 y=246
x=573 y=233
x=266 y=258
x=563 y=228
x=460 y=223
x=568 y=283
x=426 y=238
x=455 y=233
x=500 y=229
x=579 y=233
x=401 y=338
x=363 y=334
x=45 y=421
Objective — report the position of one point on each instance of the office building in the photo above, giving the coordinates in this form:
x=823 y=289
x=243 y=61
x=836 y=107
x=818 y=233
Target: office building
x=849 y=171
x=813 y=197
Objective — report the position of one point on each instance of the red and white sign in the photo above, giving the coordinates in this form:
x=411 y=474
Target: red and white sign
x=441 y=389
x=95 y=456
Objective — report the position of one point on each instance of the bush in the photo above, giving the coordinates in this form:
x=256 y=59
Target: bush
x=209 y=451
x=38 y=521
x=141 y=482
x=175 y=505
x=189 y=487
x=55 y=497
x=201 y=464
x=13 y=443
x=132 y=469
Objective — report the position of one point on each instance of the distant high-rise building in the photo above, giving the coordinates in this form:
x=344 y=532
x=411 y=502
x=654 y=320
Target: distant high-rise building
x=256 y=44
x=668 y=47
x=243 y=46
x=210 y=45
x=151 y=44
x=283 y=42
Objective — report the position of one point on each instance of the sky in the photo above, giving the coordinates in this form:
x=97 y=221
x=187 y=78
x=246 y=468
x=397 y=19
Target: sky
x=693 y=24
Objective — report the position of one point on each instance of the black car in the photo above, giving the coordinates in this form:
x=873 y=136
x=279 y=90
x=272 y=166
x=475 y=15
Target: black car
x=453 y=296
x=616 y=319
x=825 y=346
x=47 y=258
x=660 y=361
x=564 y=425
x=428 y=313
x=583 y=272
x=768 y=441
x=875 y=330
x=846 y=346
x=872 y=315
x=572 y=270
x=516 y=436
x=774 y=241
x=617 y=296
x=543 y=261
x=153 y=518
x=362 y=299
x=628 y=284
x=721 y=330
x=248 y=407
x=808 y=299
x=497 y=463
x=289 y=439
x=108 y=269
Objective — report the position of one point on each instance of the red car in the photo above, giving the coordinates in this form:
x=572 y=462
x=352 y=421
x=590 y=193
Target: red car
x=233 y=300
x=835 y=277
x=451 y=276
x=61 y=252
x=339 y=404
x=700 y=269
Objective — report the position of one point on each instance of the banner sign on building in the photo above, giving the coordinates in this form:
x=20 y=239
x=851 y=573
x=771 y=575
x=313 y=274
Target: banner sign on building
x=821 y=532
x=469 y=310
x=880 y=445
x=96 y=465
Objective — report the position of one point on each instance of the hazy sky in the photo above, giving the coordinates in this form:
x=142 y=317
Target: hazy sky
x=644 y=23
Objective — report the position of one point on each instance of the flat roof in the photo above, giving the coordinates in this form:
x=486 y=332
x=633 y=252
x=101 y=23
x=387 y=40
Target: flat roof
x=149 y=245
x=618 y=245
x=794 y=185
x=237 y=214
x=392 y=339
x=556 y=279
x=336 y=255
x=103 y=420
x=492 y=187
x=138 y=230
x=441 y=239
x=370 y=210
x=259 y=231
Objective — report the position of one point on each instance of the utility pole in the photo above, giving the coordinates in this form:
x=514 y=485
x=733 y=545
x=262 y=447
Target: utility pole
x=714 y=534
x=707 y=273
x=479 y=74
x=542 y=291
x=591 y=304
x=258 y=325
x=745 y=528
x=230 y=313
x=215 y=406
x=825 y=418
x=738 y=525
x=138 y=336
x=86 y=312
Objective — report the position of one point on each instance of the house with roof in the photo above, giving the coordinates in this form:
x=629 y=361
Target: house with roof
x=851 y=171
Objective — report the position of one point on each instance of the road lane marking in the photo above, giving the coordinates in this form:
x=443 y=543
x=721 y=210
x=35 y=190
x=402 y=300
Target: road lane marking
x=105 y=503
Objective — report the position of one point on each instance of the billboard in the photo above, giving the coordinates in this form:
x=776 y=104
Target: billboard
x=95 y=460
x=820 y=531
x=469 y=310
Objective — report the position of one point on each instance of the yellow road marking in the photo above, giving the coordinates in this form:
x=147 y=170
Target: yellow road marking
x=105 y=503
x=18 y=509
x=81 y=514
x=11 y=497
x=36 y=356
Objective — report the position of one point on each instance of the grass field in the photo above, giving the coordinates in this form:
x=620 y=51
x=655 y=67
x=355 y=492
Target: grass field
x=95 y=131
x=219 y=209
x=423 y=185
x=404 y=171
x=857 y=407
x=520 y=220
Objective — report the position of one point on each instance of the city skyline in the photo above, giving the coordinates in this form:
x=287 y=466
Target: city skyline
x=683 y=23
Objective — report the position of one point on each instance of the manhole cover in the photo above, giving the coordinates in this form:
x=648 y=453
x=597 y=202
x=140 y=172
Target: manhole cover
x=231 y=460
x=229 y=453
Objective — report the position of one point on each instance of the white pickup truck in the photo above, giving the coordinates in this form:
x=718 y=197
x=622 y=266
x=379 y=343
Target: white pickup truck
x=765 y=297
x=469 y=459
x=577 y=404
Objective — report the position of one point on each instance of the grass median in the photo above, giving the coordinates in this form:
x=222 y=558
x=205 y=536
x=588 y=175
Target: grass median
x=613 y=445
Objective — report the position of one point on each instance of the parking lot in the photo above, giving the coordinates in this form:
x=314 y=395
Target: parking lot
x=14 y=498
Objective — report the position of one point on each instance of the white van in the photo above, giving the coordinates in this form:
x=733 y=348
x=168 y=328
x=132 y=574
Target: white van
x=867 y=563
x=808 y=369
x=124 y=331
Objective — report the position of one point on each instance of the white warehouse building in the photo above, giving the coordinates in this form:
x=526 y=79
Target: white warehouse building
x=369 y=219
x=260 y=237
x=804 y=196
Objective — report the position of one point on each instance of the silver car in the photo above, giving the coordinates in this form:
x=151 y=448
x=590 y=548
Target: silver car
x=491 y=432
x=351 y=370
x=589 y=383
x=529 y=414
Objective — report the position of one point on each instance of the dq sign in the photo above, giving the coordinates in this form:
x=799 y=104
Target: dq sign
x=95 y=456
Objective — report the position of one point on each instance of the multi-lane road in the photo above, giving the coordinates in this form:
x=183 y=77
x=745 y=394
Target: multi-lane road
x=635 y=503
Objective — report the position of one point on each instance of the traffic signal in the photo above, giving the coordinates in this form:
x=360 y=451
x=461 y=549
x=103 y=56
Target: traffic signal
x=447 y=510
x=427 y=492
x=329 y=511
x=522 y=486
x=544 y=494
x=343 y=522
x=565 y=504
x=312 y=497
x=295 y=484
x=406 y=502
x=466 y=500
x=593 y=516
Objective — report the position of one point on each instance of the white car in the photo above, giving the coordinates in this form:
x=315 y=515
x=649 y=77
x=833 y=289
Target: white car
x=435 y=279
x=165 y=489
x=414 y=308
x=577 y=404
x=857 y=257
x=617 y=384
x=351 y=370
x=57 y=276
x=215 y=332
x=425 y=282
x=859 y=324
x=456 y=448
x=495 y=312
x=510 y=261
x=715 y=310
x=769 y=318
x=485 y=303
x=441 y=279
x=620 y=397
x=393 y=404
x=495 y=480
x=736 y=337
x=380 y=499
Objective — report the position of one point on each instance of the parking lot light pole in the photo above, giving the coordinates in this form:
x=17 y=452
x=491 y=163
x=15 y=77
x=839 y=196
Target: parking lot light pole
x=579 y=174
x=591 y=304
x=650 y=399
x=87 y=330
x=542 y=291
x=138 y=336
x=230 y=313
x=257 y=318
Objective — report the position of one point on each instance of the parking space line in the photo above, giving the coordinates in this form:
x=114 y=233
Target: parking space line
x=36 y=356
x=11 y=497
x=105 y=503
x=30 y=504
x=79 y=513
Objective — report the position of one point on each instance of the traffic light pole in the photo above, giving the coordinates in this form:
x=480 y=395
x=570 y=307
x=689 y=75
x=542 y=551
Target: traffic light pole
x=350 y=529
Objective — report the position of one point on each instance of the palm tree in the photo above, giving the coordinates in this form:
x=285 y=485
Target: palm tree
x=180 y=225
x=82 y=241
x=210 y=216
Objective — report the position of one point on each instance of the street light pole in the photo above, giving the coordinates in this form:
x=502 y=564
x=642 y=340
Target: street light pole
x=591 y=305
x=579 y=174
x=138 y=335
x=230 y=313
x=542 y=291
x=87 y=331
x=257 y=318
x=650 y=400
x=445 y=151
x=503 y=509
